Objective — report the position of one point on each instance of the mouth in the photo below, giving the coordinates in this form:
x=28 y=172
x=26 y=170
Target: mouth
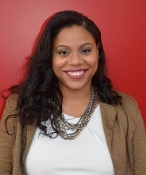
x=76 y=74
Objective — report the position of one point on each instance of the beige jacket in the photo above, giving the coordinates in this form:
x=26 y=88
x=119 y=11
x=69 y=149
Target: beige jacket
x=124 y=130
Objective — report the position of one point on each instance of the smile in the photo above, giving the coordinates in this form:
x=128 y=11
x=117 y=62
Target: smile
x=78 y=74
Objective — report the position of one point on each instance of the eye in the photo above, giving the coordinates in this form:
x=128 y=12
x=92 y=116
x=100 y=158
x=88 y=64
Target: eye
x=85 y=51
x=63 y=52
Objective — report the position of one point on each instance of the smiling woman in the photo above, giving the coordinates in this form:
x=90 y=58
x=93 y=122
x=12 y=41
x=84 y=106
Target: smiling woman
x=66 y=118
x=75 y=60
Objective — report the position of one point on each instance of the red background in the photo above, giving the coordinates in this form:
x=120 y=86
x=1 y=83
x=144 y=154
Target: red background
x=123 y=27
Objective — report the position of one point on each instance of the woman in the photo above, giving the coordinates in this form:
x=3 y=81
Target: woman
x=65 y=118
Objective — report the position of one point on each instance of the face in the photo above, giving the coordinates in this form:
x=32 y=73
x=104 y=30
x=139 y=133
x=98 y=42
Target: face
x=75 y=58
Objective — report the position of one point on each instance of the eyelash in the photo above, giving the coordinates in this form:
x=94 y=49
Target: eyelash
x=65 y=53
x=85 y=51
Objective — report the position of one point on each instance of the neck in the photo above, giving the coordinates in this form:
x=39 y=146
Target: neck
x=75 y=101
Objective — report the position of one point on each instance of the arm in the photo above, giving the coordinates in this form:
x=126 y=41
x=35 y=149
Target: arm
x=139 y=144
x=7 y=140
x=136 y=137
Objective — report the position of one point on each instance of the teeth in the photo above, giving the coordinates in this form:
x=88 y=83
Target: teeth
x=76 y=73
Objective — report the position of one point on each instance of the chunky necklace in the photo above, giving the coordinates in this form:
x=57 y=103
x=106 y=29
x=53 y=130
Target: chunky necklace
x=63 y=125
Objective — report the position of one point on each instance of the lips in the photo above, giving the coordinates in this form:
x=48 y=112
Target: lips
x=75 y=74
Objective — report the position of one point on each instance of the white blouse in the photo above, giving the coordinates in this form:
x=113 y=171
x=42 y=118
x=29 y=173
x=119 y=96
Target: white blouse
x=88 y=154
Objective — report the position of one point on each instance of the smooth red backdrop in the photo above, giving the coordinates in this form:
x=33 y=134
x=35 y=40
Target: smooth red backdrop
x=123 y=26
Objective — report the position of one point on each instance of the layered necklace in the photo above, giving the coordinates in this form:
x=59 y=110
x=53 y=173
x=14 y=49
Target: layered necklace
x=70 y=131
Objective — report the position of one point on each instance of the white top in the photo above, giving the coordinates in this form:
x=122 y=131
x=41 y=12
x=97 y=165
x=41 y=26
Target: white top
x=88 y=154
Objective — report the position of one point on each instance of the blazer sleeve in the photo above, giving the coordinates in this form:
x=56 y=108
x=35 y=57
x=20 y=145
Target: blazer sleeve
x=7 y=135
x=137 y=136
x=139 y=143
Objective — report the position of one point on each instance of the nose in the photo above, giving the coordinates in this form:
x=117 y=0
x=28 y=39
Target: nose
x=75 y=59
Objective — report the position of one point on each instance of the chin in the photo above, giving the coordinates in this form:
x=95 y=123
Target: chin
x=77 y=87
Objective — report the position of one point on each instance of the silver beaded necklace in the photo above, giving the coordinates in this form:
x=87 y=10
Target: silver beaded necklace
x=63 y=125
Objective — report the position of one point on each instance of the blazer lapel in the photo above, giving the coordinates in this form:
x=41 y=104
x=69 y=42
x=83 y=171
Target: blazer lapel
x=114 y=124
x=108 y=113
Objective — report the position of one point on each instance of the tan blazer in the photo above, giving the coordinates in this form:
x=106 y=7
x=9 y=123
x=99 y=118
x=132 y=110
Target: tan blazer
x=124 y=131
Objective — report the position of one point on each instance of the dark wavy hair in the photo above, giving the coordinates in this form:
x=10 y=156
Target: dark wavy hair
x=39 y=95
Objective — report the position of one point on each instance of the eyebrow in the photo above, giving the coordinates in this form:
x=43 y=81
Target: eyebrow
x=80 y=46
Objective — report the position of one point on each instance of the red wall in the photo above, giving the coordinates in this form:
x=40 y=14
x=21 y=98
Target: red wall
x=123 y=26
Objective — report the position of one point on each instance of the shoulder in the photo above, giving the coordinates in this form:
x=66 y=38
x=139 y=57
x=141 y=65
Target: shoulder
x=131 y=108
x=125 y=96
x=11 y=102
x=128 y=100
x=10 y=112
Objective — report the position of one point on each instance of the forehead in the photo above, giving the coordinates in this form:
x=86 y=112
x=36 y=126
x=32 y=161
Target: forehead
x=74 y=34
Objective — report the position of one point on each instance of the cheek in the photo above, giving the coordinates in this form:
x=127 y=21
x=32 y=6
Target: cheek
x=94 y=63
x=57 y=65
x=94 y=59
x=95 y=66
x=54 y=65
x=55 y=62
